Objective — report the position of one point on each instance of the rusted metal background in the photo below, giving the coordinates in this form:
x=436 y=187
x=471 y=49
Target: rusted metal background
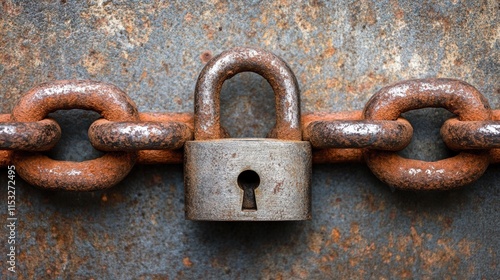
x=341 y=52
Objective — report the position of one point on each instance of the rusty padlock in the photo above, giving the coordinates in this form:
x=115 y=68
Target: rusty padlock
x=247 y=179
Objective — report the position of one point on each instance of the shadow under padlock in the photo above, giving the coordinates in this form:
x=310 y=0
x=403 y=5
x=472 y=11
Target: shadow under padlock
x=247 y=179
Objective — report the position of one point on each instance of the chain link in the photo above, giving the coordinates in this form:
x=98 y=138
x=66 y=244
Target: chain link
x=373 y=135
x=29 y=136
x=106 y=171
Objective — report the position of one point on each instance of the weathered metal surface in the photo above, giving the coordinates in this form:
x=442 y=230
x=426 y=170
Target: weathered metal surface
x=281 y=183
x=100 y=173
x=29 y=136
x=341 y=51
x=164 y=156
x=216 y=181
x=381 y=135
x=229 y=63
x=131 y=136
x=334 y=155
x=457 y=97
x=471 y=135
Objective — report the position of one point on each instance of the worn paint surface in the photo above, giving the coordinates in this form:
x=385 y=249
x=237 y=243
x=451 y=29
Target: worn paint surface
x=342 y=52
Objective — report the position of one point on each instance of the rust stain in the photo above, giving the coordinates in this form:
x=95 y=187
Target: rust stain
x=315 y=242
x=206 y=56
x=335 y=235
x=412 y=250
x=209 y=31
x=187 y=262
x=114 y=19
x=95 y=62
x=144 y=75
x=298 y=271
x=417 y=240
x=11 y=8
x=165 y=67
x=363 y=13
x=371 y=203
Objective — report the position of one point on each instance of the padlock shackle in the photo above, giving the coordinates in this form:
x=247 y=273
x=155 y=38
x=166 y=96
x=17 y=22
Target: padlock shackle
x=229 y=63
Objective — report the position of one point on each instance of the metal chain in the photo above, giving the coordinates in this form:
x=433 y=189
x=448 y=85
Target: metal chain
x=373 y=135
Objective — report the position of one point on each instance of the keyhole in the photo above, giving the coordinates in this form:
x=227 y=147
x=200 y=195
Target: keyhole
x=248 y=181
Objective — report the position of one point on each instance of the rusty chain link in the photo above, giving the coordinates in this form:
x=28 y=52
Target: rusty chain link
x=373 y=135
x=459 y=98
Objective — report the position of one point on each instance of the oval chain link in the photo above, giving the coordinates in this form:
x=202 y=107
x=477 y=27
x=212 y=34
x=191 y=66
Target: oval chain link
x=459 y=98
x=106 y=171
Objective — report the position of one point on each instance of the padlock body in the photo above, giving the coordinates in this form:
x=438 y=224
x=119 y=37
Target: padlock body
x=213 y=192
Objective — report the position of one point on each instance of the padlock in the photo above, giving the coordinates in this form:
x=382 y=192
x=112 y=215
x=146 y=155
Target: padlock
x=247 y=179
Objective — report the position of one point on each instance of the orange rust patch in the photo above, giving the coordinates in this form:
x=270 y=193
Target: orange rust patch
x=187 y=262
x=329 y=52
x=206 y=56
x=315 y=242
x=335 y=235
x=95 y=62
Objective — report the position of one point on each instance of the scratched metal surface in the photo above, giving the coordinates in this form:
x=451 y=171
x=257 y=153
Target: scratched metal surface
x=341 y=52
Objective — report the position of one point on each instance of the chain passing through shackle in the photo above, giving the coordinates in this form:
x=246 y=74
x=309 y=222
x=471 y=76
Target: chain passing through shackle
x=373 y=136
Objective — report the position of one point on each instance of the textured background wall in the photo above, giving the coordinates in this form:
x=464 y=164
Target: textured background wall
x=341 y=51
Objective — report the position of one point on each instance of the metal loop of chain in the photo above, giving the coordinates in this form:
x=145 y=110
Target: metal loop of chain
x=458 y=97
x=460 y=135
x=29 y=136
x=103 y=172
x=380 y=135
x=373 y=135
x=131 y=136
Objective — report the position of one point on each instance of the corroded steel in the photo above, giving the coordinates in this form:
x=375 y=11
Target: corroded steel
x=237 y=60
x=474 y=135
x=334 y=155
x=29 y=136
x=336 y=137
x=341 y=52
x=109 y=101
x=164 y=156
x=130 y=136
x=471 y=135
x=319 y=155
x=459 y=98
x=379 y=135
